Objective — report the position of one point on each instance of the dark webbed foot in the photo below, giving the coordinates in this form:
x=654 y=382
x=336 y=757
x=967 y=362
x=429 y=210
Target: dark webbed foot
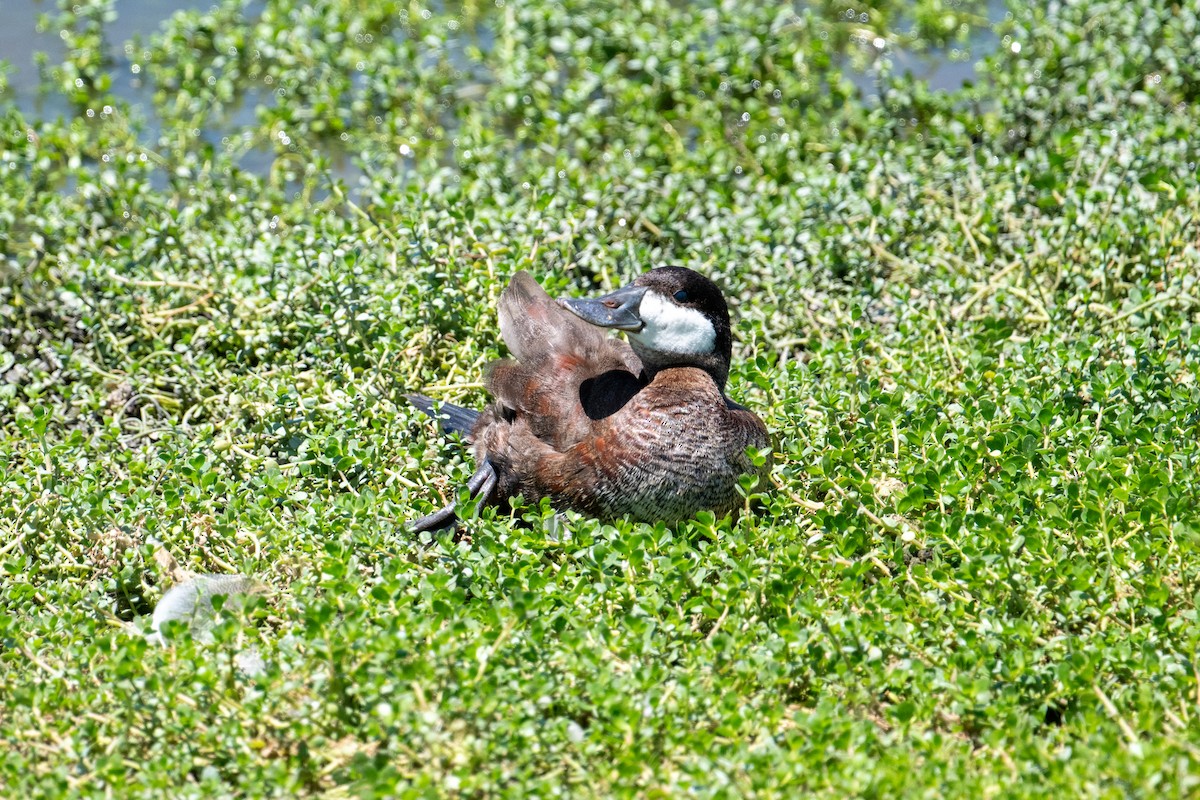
x=480 y=485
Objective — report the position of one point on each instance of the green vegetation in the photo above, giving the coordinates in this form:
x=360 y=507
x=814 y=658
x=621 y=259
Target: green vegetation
x=969 y=318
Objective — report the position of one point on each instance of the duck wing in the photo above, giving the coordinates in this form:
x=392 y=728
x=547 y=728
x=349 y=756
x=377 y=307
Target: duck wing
x=566 y=373
x=535 y=327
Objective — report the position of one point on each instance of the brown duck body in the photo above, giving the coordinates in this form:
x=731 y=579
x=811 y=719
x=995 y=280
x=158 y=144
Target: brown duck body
x=580 y=418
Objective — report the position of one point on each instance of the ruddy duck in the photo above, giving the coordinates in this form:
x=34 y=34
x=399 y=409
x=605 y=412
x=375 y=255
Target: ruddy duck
x=606 y=427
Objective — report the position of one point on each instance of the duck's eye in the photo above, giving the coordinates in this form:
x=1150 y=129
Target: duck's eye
x=681 y=296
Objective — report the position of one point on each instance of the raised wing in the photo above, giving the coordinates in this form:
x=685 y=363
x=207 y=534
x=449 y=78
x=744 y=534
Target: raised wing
x=566 y=372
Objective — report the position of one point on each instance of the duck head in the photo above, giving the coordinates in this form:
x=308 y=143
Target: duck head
x=673 y=316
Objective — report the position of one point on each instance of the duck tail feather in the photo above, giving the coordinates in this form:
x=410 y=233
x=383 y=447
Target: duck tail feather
x=451 y=418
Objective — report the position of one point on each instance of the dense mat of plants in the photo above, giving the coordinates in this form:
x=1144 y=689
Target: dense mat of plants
x=968 y=317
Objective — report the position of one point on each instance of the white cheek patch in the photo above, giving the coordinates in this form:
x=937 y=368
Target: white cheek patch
x=673 y=329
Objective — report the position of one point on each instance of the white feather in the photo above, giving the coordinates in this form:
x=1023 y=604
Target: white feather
x=191 y=603
x=670 y=328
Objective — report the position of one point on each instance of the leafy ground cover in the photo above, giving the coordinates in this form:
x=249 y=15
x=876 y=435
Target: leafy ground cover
x=967 y=316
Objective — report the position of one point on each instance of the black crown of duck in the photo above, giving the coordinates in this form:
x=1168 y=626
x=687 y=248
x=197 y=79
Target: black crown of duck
x=607 y=427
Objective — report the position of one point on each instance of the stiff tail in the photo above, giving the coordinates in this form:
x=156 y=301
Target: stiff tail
x=452 y=418
x=480 y=485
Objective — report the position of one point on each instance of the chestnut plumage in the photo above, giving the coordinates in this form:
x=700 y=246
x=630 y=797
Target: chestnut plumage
x=607 y=427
